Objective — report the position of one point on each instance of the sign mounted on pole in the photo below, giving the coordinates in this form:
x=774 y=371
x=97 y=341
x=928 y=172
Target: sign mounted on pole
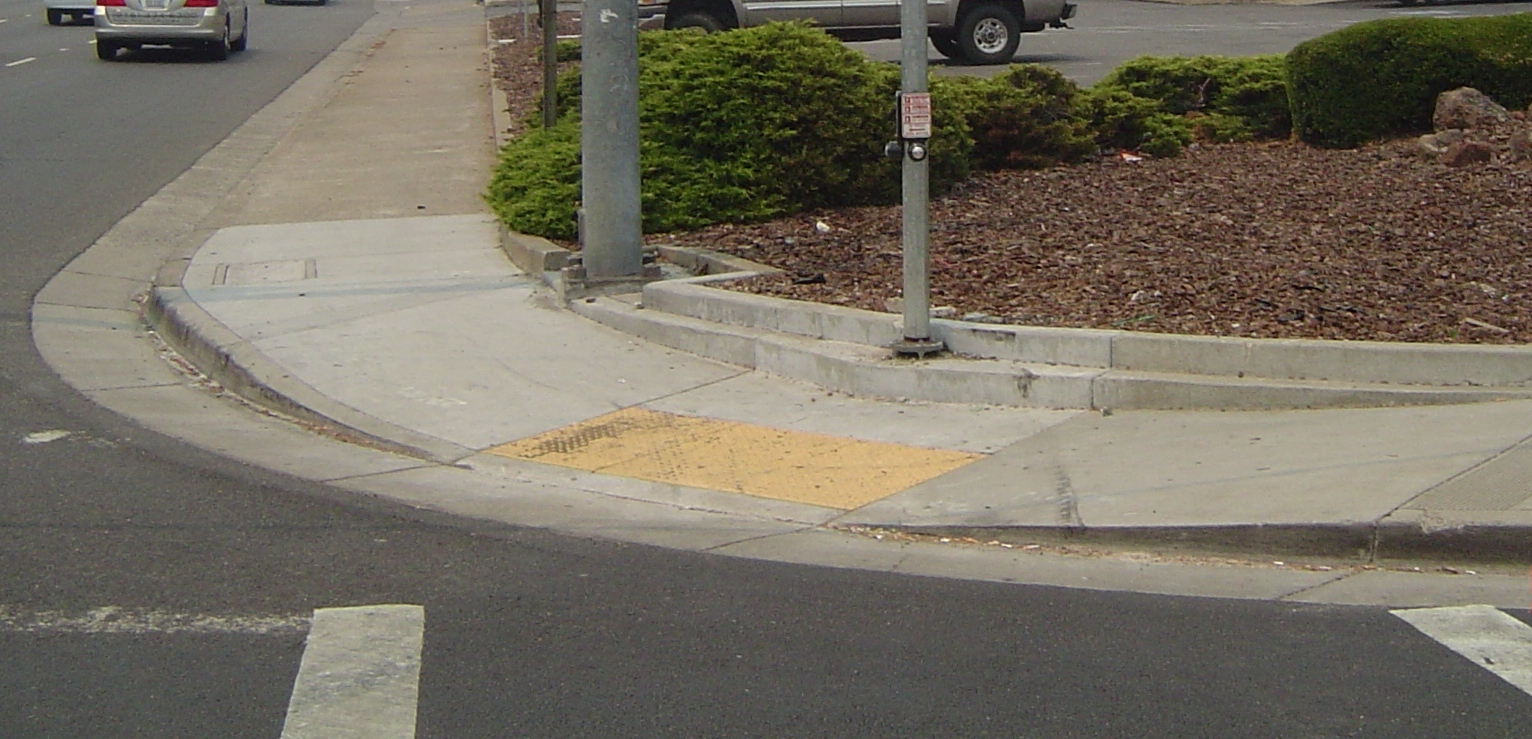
x=915 y=115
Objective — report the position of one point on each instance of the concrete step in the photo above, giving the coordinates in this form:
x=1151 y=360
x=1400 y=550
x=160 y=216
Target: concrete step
x=1033 y=366
x=866 y=368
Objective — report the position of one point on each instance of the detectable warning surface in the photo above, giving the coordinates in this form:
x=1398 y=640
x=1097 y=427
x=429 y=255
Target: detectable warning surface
x=737 y=457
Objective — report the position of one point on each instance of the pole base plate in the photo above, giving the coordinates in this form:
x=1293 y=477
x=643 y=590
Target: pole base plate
x=917 y=347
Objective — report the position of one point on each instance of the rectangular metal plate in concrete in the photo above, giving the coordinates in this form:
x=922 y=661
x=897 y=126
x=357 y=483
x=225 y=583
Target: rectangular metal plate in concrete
x=259 y=273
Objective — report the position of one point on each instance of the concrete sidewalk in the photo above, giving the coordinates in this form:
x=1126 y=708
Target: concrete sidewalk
x=370 y=298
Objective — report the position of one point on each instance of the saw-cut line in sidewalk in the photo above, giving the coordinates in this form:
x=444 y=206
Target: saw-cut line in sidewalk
x=729 y=456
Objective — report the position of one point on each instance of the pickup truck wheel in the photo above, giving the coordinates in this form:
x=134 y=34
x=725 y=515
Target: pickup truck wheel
x=946 y=44
x=698 y=19
x=989 y=34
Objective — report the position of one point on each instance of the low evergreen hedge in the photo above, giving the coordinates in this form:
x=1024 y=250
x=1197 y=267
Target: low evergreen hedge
x=1381 y=78
x=754 y=124
x=1160 y=104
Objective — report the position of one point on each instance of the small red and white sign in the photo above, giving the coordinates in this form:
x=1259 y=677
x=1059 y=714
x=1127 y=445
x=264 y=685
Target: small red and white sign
x=915 y=115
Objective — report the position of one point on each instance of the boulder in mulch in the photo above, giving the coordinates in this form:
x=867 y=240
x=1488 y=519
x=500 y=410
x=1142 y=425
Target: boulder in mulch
x=1433 y=145
x=1521 y=146
x=1464 y=153
x=1466 y=107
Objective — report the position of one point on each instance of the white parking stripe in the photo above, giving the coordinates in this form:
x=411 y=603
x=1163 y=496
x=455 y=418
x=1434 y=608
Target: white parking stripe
x=20 y=62
x=360 y=674
x=1486 y=636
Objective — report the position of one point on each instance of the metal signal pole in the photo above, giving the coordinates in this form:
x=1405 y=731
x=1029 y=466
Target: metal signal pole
x=914 y=139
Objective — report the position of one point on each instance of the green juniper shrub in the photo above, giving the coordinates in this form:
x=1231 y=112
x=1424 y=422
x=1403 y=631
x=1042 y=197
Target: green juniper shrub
x=799 y=118
x=1026 y=118
x=680 y=192
x=735 y=127
x=535 y=187
x=767 y=121
x=1160 y=104
x=1123 y=120
x=1381 y=78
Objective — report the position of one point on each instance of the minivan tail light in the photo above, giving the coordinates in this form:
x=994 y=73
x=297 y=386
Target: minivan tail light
x=112 y=3
x=201 y=3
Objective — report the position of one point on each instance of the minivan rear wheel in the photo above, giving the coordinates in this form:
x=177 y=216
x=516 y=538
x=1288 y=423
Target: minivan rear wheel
x=243 y=42
x=106 y=50
x=219 y=50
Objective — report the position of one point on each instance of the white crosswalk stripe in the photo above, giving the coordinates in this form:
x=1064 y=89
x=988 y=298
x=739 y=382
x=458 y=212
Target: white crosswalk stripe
x=1485 y=635
x=116 y=620
x=360 y=674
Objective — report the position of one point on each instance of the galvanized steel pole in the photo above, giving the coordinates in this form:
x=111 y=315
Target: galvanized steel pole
x=611 y=232
x=916 y=187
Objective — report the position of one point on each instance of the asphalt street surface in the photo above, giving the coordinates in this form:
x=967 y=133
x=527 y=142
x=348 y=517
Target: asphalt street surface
x=115 y=539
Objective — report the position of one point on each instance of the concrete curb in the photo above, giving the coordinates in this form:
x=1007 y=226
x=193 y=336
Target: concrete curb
x=1498 y=368
x=242 y=369
x=1355 y=542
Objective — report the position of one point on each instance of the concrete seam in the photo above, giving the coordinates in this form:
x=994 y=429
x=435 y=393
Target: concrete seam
x=1460 y=474
x=760 y=537
x=694 y=388
x=1310 y=588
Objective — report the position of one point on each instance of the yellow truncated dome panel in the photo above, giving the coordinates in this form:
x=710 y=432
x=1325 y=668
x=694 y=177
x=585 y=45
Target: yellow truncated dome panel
x=737 y=457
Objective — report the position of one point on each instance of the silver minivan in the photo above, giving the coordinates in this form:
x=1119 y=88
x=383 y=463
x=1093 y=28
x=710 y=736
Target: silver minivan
x=218 y=26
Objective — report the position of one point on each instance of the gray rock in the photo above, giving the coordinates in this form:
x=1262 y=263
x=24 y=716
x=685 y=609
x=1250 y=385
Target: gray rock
x=1434 y=145
x=1521 y=146
x=1466 y=107
x=1465 y=153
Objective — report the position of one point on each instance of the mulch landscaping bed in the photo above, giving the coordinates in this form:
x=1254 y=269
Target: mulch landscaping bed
x=1270 y=240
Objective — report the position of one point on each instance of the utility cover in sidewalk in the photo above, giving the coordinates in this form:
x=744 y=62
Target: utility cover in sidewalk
x=256 y=273
x=737 y=457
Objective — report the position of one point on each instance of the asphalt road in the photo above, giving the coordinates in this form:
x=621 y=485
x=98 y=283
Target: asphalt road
x=149 y=589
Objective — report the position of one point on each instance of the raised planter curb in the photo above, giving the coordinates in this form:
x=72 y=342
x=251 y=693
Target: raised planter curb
x=1118 y=369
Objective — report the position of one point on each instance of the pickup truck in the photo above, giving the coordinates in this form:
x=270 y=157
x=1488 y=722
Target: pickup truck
x=975 y=31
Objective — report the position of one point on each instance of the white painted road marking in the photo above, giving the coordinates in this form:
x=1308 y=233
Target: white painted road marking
x=20 y=62
x=43 y=437
x=360 y=674
x=1486 y=636
x=114 y=620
